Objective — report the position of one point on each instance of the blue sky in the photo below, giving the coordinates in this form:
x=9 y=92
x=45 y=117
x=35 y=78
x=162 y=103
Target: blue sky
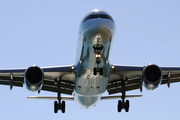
x=45 y=33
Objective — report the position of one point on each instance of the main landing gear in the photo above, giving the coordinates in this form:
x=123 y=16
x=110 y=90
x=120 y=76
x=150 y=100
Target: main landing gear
x=97 y=49
x=122 y=104
x=58 y=105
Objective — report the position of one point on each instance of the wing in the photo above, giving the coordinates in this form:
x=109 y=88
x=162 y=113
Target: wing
x=134 y=77
x=15 y=77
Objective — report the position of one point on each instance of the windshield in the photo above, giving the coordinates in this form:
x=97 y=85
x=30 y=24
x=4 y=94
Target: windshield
x=104 y=16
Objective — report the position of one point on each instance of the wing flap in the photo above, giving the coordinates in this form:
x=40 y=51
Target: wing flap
x=127 y=88
x=49 y=88
x=49 y=82
x=66 y=87
x=54 y=89
x=14 y=78
x=117 y=83
x=130 y=84
x=173 y=78
x=14 y=83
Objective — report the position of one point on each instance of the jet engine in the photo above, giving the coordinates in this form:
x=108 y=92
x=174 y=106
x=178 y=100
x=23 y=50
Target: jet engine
x=33 y=78
x=152 y=76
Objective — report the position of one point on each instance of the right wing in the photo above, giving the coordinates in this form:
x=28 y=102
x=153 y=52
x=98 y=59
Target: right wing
x=15 y=77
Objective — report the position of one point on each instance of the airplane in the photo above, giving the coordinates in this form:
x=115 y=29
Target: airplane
x=92 y=74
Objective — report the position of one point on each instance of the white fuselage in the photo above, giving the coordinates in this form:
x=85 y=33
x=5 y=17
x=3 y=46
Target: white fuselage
x=92 y=31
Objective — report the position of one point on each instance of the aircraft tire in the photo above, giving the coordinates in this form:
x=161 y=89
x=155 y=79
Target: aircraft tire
x=101 y=71
x=63 y=106
x=127 y=106
x=95 y=71
x=55 y=107
x=119 y=107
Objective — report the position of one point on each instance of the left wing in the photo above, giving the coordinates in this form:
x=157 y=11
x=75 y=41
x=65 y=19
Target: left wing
x=134 y=77
x=15 y=77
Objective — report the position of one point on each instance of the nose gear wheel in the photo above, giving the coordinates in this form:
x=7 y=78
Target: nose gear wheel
x=100 y=70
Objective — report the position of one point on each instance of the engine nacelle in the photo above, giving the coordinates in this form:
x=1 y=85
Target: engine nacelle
x=33 y=78
x=152 y=76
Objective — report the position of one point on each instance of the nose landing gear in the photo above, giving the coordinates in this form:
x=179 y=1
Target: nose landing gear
x=100 y=70
x=97 y=49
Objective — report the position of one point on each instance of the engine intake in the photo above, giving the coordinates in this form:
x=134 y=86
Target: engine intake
x=152 y=76
x=33 y=78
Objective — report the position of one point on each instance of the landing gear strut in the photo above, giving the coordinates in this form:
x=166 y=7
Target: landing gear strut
x=58 y=105
x=97 y=50
x=122 y=104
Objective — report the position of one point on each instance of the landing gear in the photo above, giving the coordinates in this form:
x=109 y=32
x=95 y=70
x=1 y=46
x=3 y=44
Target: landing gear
x=127 y=106
x=119 y=107
x=95 y=71
x=55 y=106
x=122 y=104
x=97 y=49
x=100 y=70
x=58 y=105
x=63 y=107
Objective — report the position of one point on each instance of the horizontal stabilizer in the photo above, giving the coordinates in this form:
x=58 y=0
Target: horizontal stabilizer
x=118 y=97
x=68 y=98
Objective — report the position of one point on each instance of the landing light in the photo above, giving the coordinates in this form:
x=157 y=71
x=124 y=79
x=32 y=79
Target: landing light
x=113 y=67
x=97 y=55
x=72 y=67
x=96 y=10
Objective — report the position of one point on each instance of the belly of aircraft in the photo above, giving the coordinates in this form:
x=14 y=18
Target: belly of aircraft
x=87 y=101
x=90 y=87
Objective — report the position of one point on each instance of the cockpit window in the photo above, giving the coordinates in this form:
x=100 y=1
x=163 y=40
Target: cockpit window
x=104 y=16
